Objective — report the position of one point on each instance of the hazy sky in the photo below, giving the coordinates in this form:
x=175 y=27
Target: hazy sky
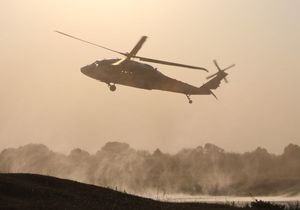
x=46 y=99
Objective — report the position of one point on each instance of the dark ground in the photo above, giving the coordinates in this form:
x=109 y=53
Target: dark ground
x=31 y=191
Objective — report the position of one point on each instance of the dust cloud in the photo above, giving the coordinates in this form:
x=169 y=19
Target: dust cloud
x=205 y=170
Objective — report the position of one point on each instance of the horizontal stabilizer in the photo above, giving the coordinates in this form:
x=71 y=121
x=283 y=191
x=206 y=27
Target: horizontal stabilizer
x=138 y=46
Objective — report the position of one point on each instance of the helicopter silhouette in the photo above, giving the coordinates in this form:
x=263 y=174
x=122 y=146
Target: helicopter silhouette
x=129 y=72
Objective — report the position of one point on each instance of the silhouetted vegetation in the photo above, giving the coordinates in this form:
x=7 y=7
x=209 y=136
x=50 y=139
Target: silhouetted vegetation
x=259 y=204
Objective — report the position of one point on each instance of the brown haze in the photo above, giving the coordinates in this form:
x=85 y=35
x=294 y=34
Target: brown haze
x=205 y=170
x=45 y=99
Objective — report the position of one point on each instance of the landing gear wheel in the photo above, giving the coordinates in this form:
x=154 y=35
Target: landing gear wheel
x=189 y=98
x=112 y=87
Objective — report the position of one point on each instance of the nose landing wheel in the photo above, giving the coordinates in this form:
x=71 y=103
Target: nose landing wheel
x=189 y=98
x=112 y=87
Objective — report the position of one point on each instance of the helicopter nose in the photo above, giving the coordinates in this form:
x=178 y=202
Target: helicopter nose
x=84 y=69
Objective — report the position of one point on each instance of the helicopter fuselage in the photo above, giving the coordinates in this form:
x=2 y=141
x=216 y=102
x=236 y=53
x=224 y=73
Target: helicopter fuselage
x=139 y=75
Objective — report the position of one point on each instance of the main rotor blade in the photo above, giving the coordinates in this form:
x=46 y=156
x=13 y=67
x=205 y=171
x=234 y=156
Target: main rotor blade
x=233 y=65
x=138 y=46
x=169 y=63
x=97 y=45
x=218 y=67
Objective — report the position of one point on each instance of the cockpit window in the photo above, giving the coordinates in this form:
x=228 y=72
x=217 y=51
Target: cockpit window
x=96 y=64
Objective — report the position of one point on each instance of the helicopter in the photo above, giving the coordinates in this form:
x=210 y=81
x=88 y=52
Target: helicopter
x=132 y=73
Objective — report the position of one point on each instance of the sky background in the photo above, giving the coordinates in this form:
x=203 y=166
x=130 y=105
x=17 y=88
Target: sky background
x=46 y=99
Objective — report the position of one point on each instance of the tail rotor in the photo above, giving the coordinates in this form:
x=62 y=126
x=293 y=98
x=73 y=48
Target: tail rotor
x=221 y=72
x=216 y=78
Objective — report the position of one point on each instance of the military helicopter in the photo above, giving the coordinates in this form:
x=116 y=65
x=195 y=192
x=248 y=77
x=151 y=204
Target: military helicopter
x=128 y=72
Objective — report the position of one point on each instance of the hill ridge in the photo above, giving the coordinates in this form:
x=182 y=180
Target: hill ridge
x=32 y=191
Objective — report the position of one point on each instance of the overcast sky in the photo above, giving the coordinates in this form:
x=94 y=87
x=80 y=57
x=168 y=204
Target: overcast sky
x=46 y=99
